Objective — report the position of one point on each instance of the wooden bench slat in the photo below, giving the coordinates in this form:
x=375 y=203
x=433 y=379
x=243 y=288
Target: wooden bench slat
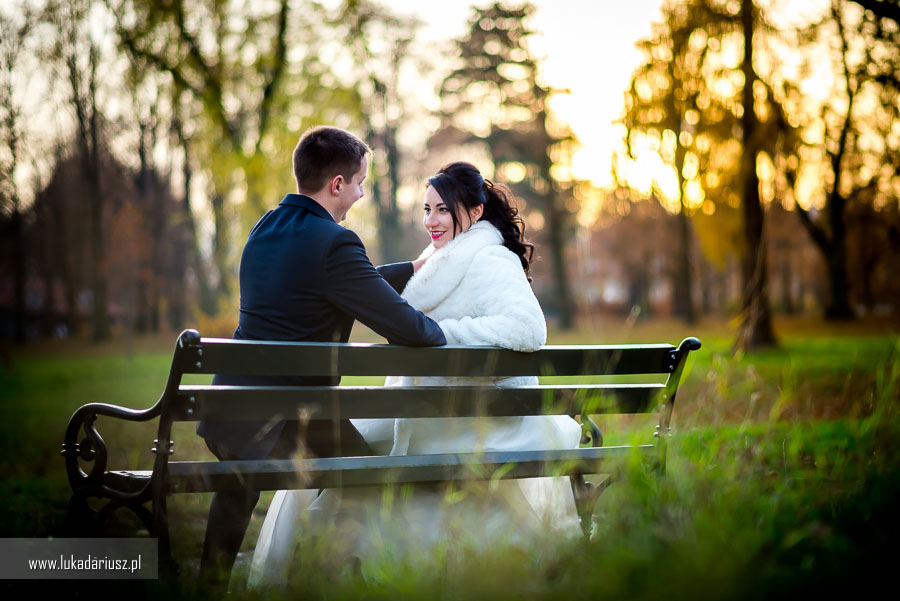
x=325 y=402
x=222 y=356
x=333 y=472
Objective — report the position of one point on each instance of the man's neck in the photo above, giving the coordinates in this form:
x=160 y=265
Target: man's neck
x=320 y=198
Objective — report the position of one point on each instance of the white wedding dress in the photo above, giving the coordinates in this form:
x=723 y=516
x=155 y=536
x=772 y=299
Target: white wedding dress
x=476 y=290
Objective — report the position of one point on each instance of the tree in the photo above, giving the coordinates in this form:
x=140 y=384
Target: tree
x=855 y=164
x=12 y=41
x=249 y=96
x=669 y=102
x=191 y=244
x=78 y=59
x=60 y=232
x=689 y=102
x=381 y=46
x=497 y=96
x=756 y=329
x=642 y=261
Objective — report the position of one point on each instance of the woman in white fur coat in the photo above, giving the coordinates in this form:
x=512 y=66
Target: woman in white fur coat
x=473 y=279
x=475 y=284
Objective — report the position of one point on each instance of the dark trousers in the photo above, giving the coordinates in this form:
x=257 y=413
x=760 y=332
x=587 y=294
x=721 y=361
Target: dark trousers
x=230 y=511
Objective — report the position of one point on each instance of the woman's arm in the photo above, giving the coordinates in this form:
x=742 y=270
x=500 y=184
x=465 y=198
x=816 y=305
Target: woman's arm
x=505 y=311
x=397 y=274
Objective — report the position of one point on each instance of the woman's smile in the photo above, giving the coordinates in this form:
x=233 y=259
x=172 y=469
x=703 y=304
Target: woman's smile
x=437 y=219
x=439 y=222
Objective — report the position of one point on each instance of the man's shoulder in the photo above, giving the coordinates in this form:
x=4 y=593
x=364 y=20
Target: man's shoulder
x=299 y=221
x=344 y=236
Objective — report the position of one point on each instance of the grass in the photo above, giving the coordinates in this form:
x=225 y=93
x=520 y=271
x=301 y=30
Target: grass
x=782 y=474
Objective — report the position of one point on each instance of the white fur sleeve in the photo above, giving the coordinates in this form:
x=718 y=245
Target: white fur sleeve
x=508 y=315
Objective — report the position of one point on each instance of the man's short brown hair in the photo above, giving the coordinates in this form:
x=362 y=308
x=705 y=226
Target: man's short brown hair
x=324 y=152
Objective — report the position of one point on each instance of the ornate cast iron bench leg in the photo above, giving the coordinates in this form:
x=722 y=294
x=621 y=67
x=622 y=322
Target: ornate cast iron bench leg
x=586 y=494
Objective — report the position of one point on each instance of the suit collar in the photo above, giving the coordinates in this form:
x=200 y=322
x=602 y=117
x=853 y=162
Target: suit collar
x=305 y=202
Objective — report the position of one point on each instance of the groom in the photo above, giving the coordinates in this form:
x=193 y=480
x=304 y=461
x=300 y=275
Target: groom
x=303 y=277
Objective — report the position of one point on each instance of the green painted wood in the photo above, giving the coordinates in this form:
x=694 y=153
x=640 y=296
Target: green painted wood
x=221 y=356
x=336 y=472
x=323 y=402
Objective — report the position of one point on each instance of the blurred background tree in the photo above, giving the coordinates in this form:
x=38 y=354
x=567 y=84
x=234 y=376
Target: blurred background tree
x=670 y=106
x=381 y=48
x=77 y=59
x=247 y=100
x=856 y=140
x=14 y=31
x=815 y=154
x=687 y=100
x=496 y=95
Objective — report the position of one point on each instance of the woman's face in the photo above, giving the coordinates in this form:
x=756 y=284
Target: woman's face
x=439 y=222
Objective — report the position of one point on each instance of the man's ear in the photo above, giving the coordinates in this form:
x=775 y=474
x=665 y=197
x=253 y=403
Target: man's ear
x=336 y=184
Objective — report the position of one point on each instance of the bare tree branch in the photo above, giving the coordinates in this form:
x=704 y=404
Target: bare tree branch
x=274 y=78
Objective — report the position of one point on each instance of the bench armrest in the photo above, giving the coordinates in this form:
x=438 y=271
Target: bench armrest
x=590 y=431
x=93 y=448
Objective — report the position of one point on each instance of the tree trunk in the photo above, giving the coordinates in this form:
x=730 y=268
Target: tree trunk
x=555 y=217
x=756 y=315
x=395 y=251
x=63 y=261
x=639 y=293
x=19 y=274
x=386 y=183
x=85 y=103
x=220 y=249
x=556 y=241
x=384 y=197
x=839 y=284
x=100 y=323
x=706 y=284
x=683 y=303
x=684 y=306
x=154 y=210
x=787 y=280
x=683 y=291
x=140 y=295
x=207 y=301
x=839 y=304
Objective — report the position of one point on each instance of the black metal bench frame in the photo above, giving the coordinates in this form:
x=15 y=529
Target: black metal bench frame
x=195 y=355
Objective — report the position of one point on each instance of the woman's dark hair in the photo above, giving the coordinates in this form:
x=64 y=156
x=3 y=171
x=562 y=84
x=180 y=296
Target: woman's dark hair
x=462 y=188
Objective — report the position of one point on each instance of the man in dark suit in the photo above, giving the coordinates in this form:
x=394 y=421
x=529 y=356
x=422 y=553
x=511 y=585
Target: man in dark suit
x=303 y=277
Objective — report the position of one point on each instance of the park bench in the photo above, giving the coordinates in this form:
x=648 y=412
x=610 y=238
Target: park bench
x=87 y=459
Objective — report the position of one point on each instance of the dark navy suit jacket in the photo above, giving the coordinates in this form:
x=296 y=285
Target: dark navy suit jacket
x=303 y=277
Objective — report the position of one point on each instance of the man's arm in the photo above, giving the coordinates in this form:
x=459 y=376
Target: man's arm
x=355 y=287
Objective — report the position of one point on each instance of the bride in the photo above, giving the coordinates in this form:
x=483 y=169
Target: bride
x=475 y=283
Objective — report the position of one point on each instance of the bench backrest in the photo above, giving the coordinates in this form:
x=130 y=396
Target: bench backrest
x=660 y=363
